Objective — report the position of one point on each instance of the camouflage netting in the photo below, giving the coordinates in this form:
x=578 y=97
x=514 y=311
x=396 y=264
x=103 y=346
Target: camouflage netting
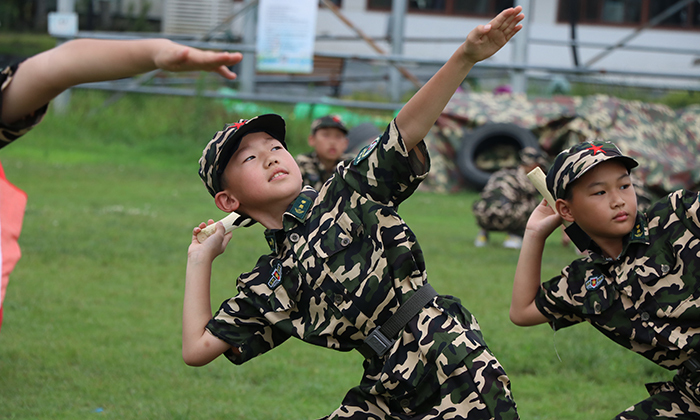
x=664 y=142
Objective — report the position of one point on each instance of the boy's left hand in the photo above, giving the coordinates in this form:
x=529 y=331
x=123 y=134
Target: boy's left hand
x=484 y=40
x=182 y=58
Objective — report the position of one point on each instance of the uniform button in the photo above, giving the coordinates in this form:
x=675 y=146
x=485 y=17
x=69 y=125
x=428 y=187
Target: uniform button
x=345 y=241
x=645 y=316
x=405 y=403
x=596 y=307
x=294 y=237
x=338 y=299
x=665 y=269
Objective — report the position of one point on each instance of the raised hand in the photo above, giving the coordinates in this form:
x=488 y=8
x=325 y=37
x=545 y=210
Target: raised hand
x=484 y=40
x=178 y=58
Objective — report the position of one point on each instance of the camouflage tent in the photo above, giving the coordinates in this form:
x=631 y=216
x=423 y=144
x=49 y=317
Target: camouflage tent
x=664 y=141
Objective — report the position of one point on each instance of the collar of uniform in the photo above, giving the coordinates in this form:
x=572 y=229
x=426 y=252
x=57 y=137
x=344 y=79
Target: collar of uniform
x=639 y=235
x=302 y=204
x=297 y=212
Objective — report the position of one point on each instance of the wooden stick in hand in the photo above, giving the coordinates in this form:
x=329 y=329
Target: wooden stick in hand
x=230 y=222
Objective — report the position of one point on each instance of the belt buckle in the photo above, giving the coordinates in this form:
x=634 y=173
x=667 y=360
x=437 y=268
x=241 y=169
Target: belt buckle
x=378 y=342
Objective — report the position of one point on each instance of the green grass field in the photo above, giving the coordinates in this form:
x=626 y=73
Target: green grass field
x=93 y=310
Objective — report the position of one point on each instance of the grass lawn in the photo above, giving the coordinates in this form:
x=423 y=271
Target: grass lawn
x=92 y=317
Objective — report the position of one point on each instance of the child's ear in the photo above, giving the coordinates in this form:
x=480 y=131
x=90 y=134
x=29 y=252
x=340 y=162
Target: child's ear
x=226 y=202
x=312 y=140
x=564 y=210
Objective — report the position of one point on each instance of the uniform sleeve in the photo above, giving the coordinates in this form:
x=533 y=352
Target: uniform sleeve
x=686 y=209
x=257 y=319
x=556 y=303
x=10 y=133
x=385 y=170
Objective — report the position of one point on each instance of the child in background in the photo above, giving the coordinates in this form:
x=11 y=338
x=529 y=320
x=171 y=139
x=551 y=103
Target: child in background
x=329 y=140
x=638 y=285
x=345 y=271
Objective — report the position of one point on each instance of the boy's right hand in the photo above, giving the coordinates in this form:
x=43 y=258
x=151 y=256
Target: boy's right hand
x=543 y=220
x=213 y=246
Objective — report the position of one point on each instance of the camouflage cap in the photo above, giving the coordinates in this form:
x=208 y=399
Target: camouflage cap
x=219 y=150
x=329 y=121
x=532 y=156
x=573 y=162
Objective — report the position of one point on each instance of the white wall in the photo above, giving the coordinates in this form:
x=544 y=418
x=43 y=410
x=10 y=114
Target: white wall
x=543 y=25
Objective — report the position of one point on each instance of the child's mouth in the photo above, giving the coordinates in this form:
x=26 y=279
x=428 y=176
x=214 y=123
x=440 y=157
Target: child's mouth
x=277 y=175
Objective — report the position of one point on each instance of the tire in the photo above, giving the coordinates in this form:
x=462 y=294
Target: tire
x=486 y=138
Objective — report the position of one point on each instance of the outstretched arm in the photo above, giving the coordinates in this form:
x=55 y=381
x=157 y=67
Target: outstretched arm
x=420 y=113
x=199 y=346
x=528 y=272
x=42 y=77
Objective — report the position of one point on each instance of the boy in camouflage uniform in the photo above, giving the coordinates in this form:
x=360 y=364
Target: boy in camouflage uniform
x=345 y=272
x=507 y=200
x=329 y=140
x=638 y=284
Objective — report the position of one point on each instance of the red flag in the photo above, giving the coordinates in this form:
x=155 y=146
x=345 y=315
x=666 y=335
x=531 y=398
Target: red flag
x=12 y=204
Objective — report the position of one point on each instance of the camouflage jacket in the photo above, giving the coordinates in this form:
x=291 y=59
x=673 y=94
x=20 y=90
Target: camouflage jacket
x=12 y=132
x=313 y=172
x=511 y=186
x=341 y=265
x=647 y=299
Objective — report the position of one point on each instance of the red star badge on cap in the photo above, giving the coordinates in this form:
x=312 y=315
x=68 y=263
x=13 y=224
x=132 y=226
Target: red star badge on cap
x=239 y=124
x=596 y=149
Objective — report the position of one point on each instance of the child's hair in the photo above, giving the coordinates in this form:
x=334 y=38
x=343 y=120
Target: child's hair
x=224 y=144
x=573 y=162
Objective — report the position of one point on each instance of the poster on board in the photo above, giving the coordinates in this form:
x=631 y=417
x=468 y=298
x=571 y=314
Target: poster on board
x=286 y=32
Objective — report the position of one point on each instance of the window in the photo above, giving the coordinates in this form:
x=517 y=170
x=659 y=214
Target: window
x=630 y=12
x=448 y=7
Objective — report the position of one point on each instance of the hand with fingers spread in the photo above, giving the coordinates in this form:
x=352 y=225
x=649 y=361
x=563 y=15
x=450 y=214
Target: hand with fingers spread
x=485 y=40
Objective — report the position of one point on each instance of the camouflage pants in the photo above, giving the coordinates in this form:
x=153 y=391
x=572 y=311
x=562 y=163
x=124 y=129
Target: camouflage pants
x=445 y=377
x=678 y=399
x=502 y=215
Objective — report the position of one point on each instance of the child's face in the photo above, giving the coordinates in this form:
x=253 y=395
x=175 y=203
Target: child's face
x=603 y=202
x=262 y=173
x=330 y=143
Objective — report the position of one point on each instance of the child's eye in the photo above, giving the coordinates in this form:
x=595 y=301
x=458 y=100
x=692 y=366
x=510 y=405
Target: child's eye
x=599 y=193
x=249 y=158
x=624 y=187
x=276 y=147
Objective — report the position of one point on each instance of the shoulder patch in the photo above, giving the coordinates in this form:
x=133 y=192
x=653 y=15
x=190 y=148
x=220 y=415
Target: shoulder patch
x=366 y=151
x=275 y=277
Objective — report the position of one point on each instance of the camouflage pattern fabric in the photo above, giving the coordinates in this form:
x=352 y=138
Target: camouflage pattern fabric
x=8 y=134
x=313 y=173
x=646 y=299
x=340 y=267
x=667 y=400
x=506 y=202
x=662 y=140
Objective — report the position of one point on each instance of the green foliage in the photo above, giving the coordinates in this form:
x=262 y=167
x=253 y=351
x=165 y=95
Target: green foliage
x=92 y=316
x=681 y=99
x=25 y=45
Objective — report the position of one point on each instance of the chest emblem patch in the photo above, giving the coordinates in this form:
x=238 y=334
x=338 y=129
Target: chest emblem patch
x=594 y=282
x=275 y=277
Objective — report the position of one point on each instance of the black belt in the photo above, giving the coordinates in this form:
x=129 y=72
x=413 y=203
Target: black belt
x=382 y=338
